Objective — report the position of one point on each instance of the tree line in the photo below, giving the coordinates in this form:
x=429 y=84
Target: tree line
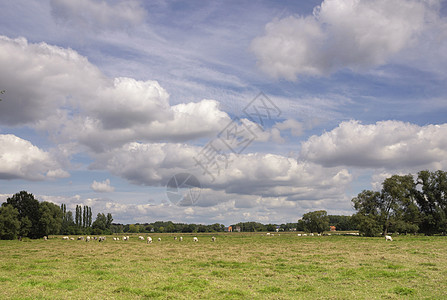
x=406 y=204
x=24 y=216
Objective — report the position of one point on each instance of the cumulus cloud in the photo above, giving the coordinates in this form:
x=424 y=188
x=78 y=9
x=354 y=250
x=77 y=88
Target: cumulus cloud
x=102 y=187
x=19 y=159
x=386 y=144
x=295 y=127
x=265 y=175
x=40 y=78
x=58 y=90
x=355 y=34
x=98 y=15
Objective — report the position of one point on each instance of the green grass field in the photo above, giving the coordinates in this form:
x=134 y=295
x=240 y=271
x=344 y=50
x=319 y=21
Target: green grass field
x=236 y=266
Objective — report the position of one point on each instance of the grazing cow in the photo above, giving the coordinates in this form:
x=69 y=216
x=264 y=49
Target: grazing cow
x=181 y=239
x=114 y=238
x=117 y=239
x=388 y=238
x=66 y=238
x=195 y=239
x=101 y=239
x=72 y=238
x=175 y=238
x=299 y=234
x=268 y=233
x=159 y=239
x=149 y=240
x=141 y=238
x=87 y=239
x=311 y=234
x=213 y=239
x=304 y=234
x=45 y=238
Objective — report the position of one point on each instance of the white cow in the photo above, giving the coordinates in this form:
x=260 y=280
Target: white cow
x=87 y=239
x=72 y=238
x=195 y=239
x=66 y=238
x=181 y=239
x=114 y=238
x=299 y=234
x=149 y=240
x=213 y=239
x=268 y=233
x=159 y=239
x=141 y=238
x=388 y=238
x=175 y=238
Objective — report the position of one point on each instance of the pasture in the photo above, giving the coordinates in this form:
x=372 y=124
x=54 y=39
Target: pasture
x=236 y=266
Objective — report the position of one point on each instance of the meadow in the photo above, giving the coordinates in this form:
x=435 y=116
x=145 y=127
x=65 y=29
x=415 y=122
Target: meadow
x=236 y=266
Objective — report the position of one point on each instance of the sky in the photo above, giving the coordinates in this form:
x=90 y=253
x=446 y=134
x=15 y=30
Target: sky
x=219 y=111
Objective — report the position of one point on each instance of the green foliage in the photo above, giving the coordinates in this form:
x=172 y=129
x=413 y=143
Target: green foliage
x=404 y=205
x=316 y=221
x=432 y=201
x=29 y=213
x=51 y=218
x=9 y=222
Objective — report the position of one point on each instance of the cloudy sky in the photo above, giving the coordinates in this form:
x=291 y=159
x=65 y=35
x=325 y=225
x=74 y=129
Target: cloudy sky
x=272 y=108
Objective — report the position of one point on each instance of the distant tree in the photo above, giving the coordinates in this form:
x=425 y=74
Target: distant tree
x=398 y=205
x=342 y=222
x=271 y=227
x=9 y=222
x=89 y=216
x=68 y=224
x=109 y=220
x=1 y=93
x=51 y=218
x=29 y=213
x=368 y=216
x=84 y=217
x=431 y=198
x=100 y=224
x=133 y=228
x=316 y=221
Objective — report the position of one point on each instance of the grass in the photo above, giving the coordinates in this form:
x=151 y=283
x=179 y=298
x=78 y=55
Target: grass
x=236 y=266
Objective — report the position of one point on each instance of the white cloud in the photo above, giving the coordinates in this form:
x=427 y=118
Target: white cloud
x=296 y=128
x=264 y=175
x=355 y=34
x=58 y=90
x=98 y=15
x=19 y=159
x=388 y=144
x=102 y=187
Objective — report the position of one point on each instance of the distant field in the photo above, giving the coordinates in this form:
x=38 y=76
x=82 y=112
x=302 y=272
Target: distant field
x=236 y=266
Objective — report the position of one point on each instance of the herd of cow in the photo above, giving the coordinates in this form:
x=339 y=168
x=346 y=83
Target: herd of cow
x=124 y=238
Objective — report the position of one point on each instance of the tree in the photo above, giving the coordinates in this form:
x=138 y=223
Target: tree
x=109 y=220
x=368 y=216
x=1 y=93
x=316 y=221
x=397 y=203
x=9 y=222
x=29 y=213
x=432 y=201
x=100 y=222
x=51 y=218
x=89 y=216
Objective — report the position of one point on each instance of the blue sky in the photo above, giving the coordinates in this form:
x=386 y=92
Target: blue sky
x=106 y=101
